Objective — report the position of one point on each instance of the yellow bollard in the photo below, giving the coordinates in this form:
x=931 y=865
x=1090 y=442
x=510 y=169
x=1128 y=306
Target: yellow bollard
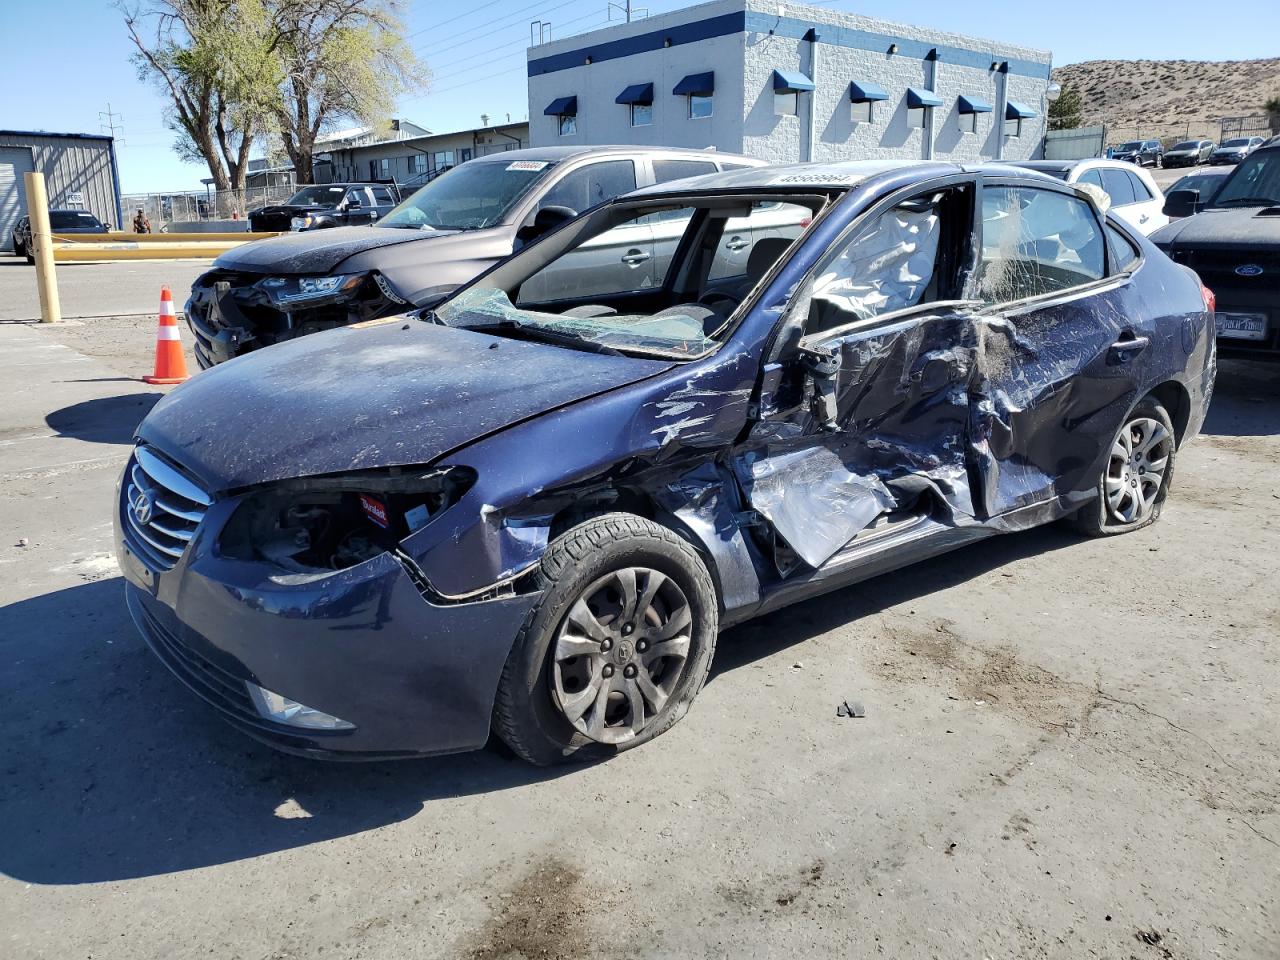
x=42 y=241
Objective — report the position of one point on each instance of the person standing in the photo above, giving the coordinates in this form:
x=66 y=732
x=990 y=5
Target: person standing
x=140 y=222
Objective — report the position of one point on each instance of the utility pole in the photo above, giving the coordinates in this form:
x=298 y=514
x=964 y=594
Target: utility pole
x=110 y=122
x=628 y=12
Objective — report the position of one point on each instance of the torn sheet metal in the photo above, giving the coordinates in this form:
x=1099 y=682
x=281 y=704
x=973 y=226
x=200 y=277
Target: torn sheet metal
x=814 y=502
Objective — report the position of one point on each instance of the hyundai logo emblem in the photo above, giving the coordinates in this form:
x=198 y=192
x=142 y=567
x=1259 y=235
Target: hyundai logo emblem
x=1249 y=270
x=143 y=506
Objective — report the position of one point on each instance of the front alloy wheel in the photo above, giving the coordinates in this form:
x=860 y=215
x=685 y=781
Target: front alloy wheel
x=620 y=653
x=617 y=646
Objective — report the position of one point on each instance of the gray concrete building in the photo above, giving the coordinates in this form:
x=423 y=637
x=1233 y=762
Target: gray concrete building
x=79 y=169
x=788 y=83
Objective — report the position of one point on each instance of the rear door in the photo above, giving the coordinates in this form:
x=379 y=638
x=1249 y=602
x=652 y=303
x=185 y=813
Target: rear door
x=360 y=207
x=1064 y=348
x=383 y=201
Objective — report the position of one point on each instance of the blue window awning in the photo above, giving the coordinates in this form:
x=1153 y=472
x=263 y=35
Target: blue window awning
x=562 y=107
x=922 y=98
x=973 y=105
x=636 y=93
x=860 y=91
x=696 y=85
x=1017 y=111
x=789 y=81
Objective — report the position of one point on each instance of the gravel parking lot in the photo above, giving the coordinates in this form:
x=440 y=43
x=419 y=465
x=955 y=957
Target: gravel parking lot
x=1070 y=749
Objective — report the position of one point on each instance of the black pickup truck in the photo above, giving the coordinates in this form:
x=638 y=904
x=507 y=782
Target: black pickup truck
x=327 y=205
x=1234 y=245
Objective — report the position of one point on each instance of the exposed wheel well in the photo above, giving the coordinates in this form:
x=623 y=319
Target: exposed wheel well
x=1174 y=397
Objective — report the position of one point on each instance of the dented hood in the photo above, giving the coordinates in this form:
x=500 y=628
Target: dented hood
x=357 y=398
x=317 y=251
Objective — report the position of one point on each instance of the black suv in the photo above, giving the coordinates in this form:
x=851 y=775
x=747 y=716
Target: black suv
x=1234 y=244
x=327 y=205
x=1145 y=153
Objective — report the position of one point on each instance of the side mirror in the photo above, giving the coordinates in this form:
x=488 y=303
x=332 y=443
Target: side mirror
x=1182 y=203
x=544 y=221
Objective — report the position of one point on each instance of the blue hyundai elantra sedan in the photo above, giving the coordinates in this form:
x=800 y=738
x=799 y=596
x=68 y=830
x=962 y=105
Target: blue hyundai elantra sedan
x=531 y=507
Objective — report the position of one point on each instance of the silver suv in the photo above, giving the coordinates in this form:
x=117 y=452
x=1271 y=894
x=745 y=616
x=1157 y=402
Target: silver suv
x=446 y=233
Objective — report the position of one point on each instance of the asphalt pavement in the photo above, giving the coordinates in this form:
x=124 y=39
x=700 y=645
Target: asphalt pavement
x=123 y=288
x=1070 y=750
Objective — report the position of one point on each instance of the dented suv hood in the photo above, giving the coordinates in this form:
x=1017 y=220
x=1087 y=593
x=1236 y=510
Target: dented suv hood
x=317 y=251
x=399 y=391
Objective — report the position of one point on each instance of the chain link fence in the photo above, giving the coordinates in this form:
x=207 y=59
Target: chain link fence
x=194 y=208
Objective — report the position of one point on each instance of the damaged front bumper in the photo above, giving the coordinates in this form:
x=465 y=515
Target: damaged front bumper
x=412 y=677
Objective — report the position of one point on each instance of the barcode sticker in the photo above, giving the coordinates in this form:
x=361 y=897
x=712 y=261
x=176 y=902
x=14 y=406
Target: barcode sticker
x=528 y=165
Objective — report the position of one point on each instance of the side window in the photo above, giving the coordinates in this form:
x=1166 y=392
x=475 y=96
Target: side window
x=1036 y=242
x=1091 y=176
x=1124 y=254
x=592 y=184
x=357 y=198
x=1118 y=187
x=664 y=170
x=382 y=196
x=1140 y=192
x=892 y=263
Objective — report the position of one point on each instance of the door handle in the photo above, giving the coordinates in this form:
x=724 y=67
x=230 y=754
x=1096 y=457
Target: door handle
x=737 y=243
x=634 y=257
x=1144 y=218
x=1127 y=347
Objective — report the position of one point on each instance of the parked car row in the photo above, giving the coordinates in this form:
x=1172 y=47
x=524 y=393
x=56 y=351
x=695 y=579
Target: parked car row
x=1187 y=153
x=596 y=407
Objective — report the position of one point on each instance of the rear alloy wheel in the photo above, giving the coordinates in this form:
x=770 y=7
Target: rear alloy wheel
x=617 y=647
x=1137 y=476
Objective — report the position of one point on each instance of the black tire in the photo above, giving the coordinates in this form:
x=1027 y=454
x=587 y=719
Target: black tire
x=18 y=249
x=1097 y=518
x=527 y=714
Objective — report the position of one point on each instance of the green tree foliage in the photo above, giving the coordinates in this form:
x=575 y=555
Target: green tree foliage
x=212 y=59
x=1067 y=112
x=342 y=60
x=239 y=71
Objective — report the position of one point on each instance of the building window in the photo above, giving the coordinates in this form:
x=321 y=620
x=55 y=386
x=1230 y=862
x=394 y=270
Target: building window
x=464 y=154
x=443 y=158
x=419 y=162
x=699 y=106
x=567 y=124
x=786 y=103
x=968 y=123
x=641 y=114
x=1013 y=127
x=860 y=111
x=917 y=116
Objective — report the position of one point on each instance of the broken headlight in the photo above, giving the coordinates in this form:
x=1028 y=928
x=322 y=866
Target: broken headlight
x=307 y=289
x=329 y=523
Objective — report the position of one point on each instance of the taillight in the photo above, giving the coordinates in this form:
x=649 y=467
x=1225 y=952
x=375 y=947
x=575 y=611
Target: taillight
x=1207 y=295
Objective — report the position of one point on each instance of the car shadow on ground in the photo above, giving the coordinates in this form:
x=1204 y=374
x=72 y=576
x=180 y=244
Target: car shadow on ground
x=111 y=770
x=1246 y=399
x=105 y=420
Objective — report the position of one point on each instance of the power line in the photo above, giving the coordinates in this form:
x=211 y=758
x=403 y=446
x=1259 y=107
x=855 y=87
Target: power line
x=491 y=3
x=517 y=14
x=503 y=46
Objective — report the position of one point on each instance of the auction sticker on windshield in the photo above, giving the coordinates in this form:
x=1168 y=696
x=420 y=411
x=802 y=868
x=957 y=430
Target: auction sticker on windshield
x=528 y=165
x=1242 y=326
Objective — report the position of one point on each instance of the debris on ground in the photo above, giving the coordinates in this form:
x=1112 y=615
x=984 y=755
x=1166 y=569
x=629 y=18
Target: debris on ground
x=22 y=542
x=851 y=708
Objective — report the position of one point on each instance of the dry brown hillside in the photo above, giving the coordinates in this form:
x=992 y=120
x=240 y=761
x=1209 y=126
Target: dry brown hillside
x=1155 y=92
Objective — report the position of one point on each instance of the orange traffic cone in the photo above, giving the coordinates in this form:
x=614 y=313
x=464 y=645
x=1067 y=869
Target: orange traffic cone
x=171 y=365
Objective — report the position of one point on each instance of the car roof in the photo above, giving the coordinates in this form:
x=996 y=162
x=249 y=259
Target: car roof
x=555 y=154
x=835 y=175
x=70 y=210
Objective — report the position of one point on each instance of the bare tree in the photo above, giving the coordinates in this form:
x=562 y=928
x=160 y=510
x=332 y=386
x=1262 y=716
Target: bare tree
x=341 y=59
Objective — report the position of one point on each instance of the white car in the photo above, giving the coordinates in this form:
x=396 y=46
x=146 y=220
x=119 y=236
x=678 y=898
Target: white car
x=1135 y=198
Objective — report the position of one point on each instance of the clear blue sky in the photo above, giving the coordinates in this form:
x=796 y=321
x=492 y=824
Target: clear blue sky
x=65 y=60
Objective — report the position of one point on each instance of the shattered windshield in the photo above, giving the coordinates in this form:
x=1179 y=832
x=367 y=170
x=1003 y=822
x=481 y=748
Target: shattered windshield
x=471 y=196
x=673 y=331
x=659 y=279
